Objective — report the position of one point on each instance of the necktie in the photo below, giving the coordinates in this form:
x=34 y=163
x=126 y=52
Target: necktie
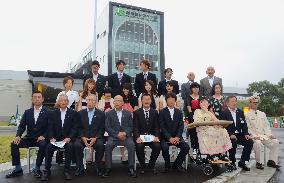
x=147 y=115
x=145 y=76
x=120 y=78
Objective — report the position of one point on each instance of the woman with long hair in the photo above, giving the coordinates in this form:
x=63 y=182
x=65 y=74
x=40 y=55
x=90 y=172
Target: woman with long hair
x=150 y=88
x=89 y=88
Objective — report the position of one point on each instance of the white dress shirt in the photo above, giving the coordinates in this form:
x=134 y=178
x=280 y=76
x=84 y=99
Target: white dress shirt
x=234 y=115
x=119 y=115
x=95 y=77
x=145 y=112
x=36 y=113
x=172 y=111
x=145 y=74
x=211 y=80
x=63 y=114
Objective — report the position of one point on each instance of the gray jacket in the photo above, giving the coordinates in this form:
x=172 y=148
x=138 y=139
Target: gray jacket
x=205 y=88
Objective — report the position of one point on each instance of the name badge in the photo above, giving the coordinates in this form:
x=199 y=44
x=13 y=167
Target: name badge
x=242 y=122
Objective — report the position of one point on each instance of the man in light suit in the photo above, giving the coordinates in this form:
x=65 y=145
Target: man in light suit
x=100 y=79
x=119 y=126
x=186 y=91
x=207 y=82
x=258 y=127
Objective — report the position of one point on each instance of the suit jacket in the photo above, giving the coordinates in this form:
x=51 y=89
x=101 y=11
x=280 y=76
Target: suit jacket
x=140 y=81
x=241 y=124
x=113 y=126
x=140 y=125
x=162 y=87
x=97 y=127
x=34 y=128
x=70 y=127
x=171 y=128
x=185 y=91
x=100 y=84
x=116 y=87
x=205 y=88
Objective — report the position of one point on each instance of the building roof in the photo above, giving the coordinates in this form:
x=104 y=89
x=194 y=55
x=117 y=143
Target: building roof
x=235 y=90
x=13 y=75
x=53 y=74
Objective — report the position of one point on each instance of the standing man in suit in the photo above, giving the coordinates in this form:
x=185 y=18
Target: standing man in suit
x=100 y=79
x=91 y=135
x=258 y=127
x=171 y=121
x=143 y=76
x=207 y=82
x=62 y=126
x=238 y=132
x=117 y=80
x=168 y=72
x=35 y=120
x=146 y=122
x=186 y=91
x=119 y=126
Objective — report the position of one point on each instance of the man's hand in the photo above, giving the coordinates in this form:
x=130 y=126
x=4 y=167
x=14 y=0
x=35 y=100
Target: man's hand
x=17 y=140
x=248 y=137
x=177 y=139
x=93 y=141
x=139 y=140
x=156 y=139
x=67 y=140
x=233 y=137
x=40 y=138
x=121 y=136
x=52 y=140
x=108 y=109
x=272 y=136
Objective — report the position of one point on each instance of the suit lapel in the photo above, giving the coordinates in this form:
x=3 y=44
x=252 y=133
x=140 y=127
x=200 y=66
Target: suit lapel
x=33 y=116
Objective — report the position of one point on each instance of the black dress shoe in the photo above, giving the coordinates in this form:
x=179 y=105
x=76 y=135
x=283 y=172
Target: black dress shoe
x=14 y=174
x=99 y=172
x=259 y=166
x=243 y=166
x=233 y=166
x=271 y=163
x=67 y=175
x=132 y=173
x=107 y=173
x=79 y=172
x=37 y=173
x=45 y=175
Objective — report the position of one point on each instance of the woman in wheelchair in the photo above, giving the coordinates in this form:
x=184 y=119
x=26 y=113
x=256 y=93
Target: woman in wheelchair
x=213 y=140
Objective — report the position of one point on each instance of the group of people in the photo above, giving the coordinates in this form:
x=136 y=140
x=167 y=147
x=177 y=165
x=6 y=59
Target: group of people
x=107 y=114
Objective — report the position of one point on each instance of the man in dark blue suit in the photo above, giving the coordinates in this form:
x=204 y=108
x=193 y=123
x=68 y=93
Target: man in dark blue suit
x=143 y=76
x=62 y=127
x=35 y=120
x=100 y=79
x=171 y=121
x=91 y=134
x=168 y=72
x=238 y=132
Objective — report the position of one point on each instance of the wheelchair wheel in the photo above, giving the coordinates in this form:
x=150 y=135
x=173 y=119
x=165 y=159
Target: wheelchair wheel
x=208 y=170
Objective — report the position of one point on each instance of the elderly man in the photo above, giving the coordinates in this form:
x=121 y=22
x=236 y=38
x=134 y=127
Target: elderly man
x=119 y=126
x=259 y=129
x=207 y=82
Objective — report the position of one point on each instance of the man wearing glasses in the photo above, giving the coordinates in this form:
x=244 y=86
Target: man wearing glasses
x=260 y=131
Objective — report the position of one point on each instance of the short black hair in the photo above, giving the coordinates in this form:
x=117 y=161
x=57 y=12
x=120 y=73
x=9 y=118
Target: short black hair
x=119 y=62
x=107 y=90
x=146 y=95
x=171 y=95
x=171 y=83
x=37 y=91
x=95 y=62
x=194 y=85
x=167 y=69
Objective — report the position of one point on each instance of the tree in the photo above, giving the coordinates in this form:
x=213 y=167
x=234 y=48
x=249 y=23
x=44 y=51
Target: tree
x=271 y=95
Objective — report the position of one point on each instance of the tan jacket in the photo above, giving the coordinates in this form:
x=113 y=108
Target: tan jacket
x=258 y=125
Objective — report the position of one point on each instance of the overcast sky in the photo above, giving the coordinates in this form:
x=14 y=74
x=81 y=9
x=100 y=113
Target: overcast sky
x=243 y=40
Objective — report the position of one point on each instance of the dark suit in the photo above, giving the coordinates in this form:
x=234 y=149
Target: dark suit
x=94 y=130
x=57 y=131
x=143 y=126
x=34 y=130
x=140 y=81
x=100 y=83
x=240 y=130
x=113 y=127
x=162 y=87
x=185 y=92
x=205 y=88
x=115 y=85
x=172 y=128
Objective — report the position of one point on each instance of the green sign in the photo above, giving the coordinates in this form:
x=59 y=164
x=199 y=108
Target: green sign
x=120 y=12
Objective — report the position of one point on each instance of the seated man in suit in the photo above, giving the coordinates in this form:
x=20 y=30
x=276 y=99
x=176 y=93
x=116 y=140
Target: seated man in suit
x=143 y=76
x=62 y=126
x=117 y=80
x=35 y=120
x=93 y=129
x=171 y=121
x=146 y=122
x=119 y=126
x=207 y=82
x=238 y=132
x=258 y=127
x=98 y=78
x=168 y=72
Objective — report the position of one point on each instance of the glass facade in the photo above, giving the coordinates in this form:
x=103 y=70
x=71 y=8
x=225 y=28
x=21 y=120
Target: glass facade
x=136 y=36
